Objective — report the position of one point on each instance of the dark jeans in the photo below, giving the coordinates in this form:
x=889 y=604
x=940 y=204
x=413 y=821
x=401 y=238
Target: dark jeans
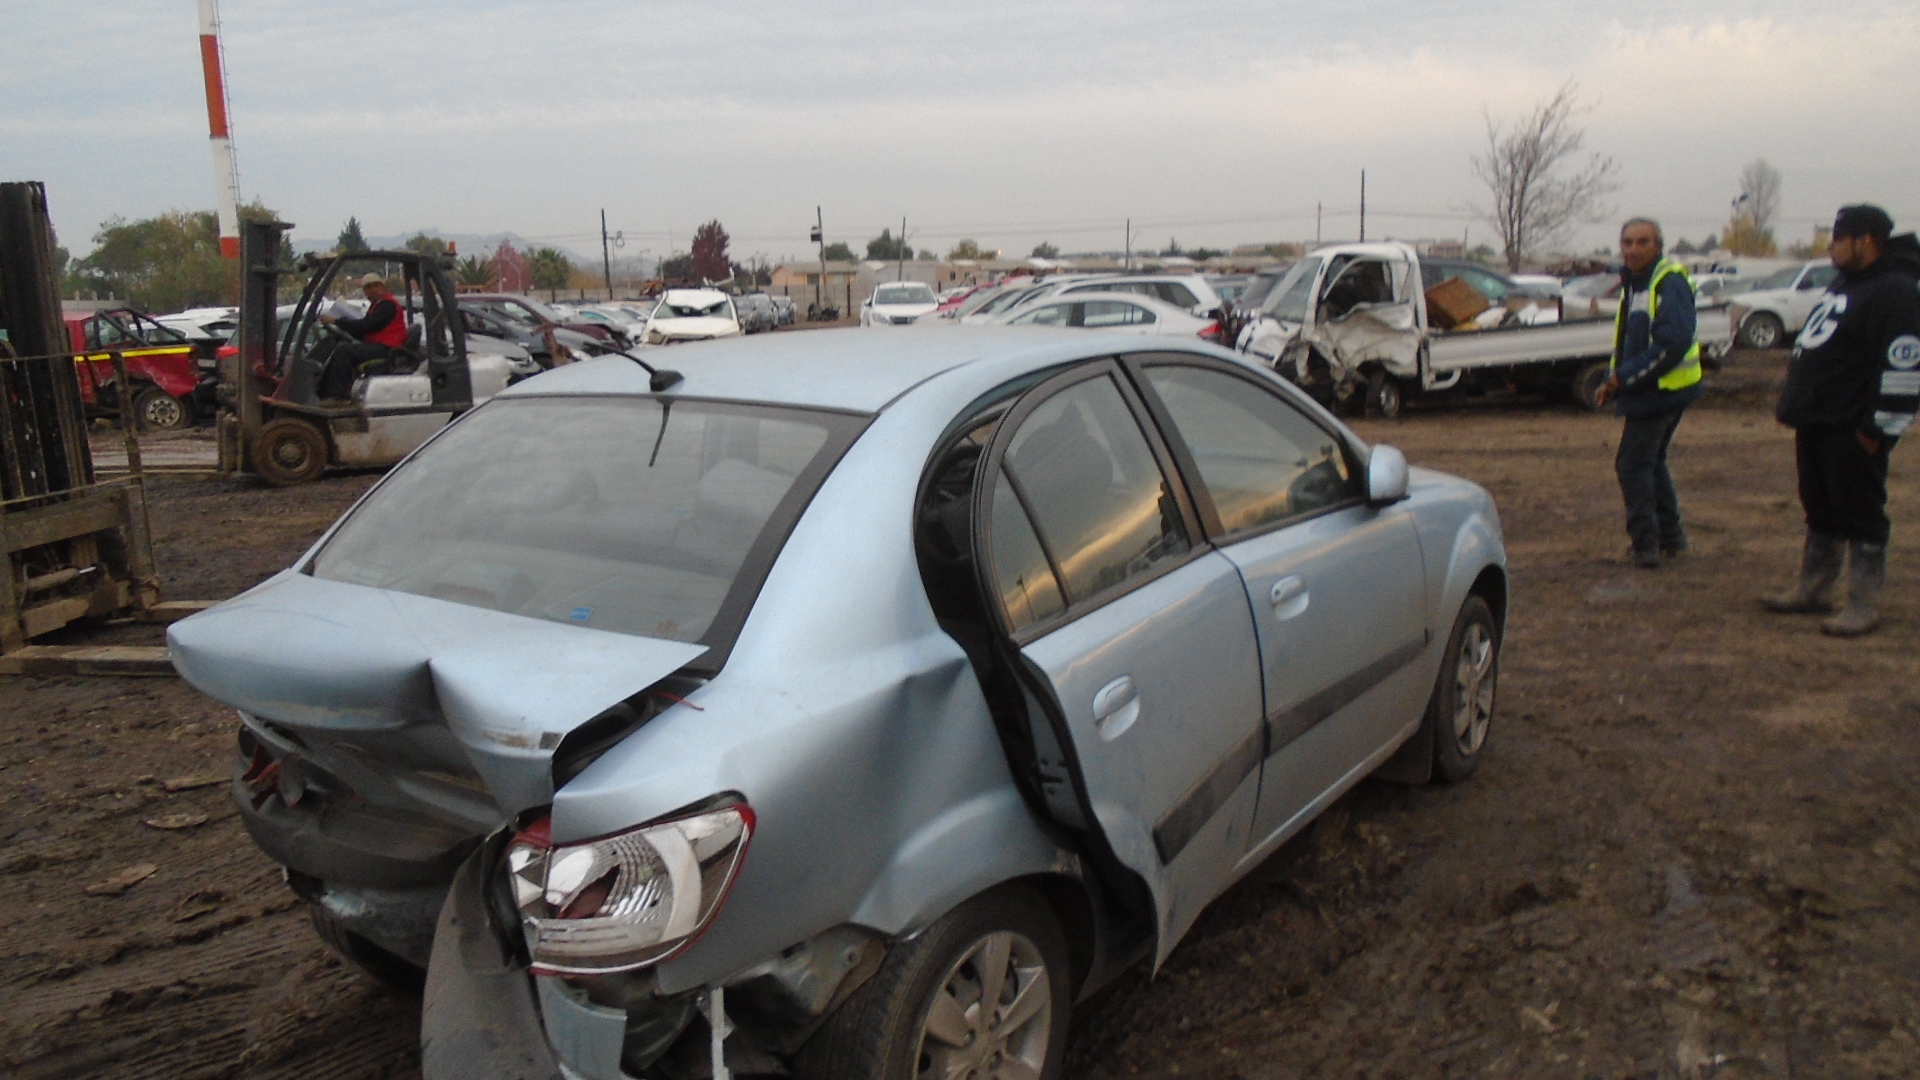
x=343 y=366
x=1843 y=487
x=1653 y=507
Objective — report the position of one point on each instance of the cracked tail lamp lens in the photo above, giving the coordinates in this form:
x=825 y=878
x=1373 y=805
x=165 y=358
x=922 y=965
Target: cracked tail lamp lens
x=628 y=900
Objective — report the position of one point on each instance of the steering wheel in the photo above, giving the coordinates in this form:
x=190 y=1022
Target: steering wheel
x=333 y=330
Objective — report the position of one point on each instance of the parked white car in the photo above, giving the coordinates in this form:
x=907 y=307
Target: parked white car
x=1120 y=313
x=1778 y=305
x=897 y=303
x=692 y=315
x=1189 y=292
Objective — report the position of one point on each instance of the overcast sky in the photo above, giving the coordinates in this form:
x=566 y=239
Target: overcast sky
x=1008 y=121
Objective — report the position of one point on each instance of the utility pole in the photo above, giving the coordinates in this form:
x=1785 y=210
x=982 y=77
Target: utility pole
x=900 y=267
x=606 y=255
x=1128 y=264
x=820 y=238
x=1316 y=224
x=1363 y=206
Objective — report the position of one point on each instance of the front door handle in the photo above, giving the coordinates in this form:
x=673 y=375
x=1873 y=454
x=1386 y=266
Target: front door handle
x=1115 y=707
x=1289 y=597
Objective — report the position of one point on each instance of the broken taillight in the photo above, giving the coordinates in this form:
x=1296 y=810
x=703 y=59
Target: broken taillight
x=1211 y=331
x=628 y=900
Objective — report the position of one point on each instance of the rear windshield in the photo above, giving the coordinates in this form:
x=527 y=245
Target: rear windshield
x=904 y=294
x=620 y=514
x=691 y=307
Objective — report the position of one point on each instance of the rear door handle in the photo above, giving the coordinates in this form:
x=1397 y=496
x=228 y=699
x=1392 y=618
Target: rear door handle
x=1115 y=708
x=1289 y=597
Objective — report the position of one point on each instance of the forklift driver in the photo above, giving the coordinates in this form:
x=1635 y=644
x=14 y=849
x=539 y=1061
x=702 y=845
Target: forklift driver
x=380 y=331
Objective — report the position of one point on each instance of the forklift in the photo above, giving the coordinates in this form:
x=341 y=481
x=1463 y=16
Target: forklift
x=273 y=422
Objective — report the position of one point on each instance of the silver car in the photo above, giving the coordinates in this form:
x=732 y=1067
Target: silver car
x=844 y=703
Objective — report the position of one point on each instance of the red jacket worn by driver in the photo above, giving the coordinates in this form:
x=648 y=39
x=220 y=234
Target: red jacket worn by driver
x=381 y=325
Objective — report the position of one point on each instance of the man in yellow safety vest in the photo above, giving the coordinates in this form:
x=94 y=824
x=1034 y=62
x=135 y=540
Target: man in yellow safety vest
x=1655 y=375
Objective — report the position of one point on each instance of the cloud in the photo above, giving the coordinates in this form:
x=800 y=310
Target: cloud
x=1010 y=122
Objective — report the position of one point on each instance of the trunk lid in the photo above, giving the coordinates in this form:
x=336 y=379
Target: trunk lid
x=422 y=692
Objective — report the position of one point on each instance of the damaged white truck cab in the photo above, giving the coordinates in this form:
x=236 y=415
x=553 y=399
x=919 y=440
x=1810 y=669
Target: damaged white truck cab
x=1350 y=323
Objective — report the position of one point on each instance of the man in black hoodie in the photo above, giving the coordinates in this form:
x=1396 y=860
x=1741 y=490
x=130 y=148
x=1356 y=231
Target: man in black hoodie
x=1852 y=390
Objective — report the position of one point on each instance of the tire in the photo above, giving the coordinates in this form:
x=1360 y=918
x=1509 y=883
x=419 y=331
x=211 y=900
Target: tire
x=1384 y=396
x=1460 y=714
x=919 y=1015
x=156 y=410
x=393 y=972
x=289 y=451
x=1585 y=387
x=1762 y=330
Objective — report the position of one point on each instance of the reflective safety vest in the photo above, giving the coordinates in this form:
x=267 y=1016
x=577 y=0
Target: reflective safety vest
x=1687 y=372
x=394 y=334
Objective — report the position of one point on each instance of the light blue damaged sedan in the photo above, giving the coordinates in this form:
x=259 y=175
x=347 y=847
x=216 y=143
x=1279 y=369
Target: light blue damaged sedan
x=840 y=705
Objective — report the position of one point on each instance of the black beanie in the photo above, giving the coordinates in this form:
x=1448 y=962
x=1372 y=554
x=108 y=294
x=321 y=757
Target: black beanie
x=1862 y=219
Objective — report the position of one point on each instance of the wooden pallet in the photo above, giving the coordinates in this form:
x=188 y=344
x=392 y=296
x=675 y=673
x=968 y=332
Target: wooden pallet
x=46 y=661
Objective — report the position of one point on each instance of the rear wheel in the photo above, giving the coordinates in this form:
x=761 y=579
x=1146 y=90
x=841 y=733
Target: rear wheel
x=156 y=410
x=1585 y=387
x=289 y=451
x=390 y=969
x=1384 y=397
x=1762 y=331
x=984 y=992
x=1460 y=713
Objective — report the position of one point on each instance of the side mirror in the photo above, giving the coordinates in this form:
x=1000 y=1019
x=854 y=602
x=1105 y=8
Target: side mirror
x=1386 y=476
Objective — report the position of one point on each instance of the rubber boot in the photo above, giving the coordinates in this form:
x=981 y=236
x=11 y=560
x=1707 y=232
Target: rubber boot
x=1866 y=580
x=1819 y=569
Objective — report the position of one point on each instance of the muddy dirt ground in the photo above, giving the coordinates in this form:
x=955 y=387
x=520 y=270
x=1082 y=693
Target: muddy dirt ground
x=1692 y=850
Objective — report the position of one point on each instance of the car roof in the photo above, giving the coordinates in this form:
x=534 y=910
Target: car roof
x=852 y=369
x=1151 y=303
x=694 y=296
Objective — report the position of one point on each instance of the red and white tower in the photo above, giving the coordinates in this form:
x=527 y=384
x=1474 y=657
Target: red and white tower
x=224 y=176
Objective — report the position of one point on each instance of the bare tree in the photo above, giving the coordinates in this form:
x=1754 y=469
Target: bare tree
x=1759 y=198
x=1539 y=182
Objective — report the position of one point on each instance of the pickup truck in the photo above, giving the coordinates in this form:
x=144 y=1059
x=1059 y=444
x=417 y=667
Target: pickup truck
x=1350 y=324
x=172 y=384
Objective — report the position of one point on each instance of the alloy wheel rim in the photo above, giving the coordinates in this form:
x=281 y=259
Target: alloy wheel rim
x=991 y=1017
x=1473 y=689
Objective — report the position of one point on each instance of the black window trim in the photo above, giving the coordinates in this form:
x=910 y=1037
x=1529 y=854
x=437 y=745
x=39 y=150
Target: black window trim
x=1136 y=365
x=992 y=462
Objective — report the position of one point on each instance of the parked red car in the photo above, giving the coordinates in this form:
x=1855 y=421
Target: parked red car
x=169 y=384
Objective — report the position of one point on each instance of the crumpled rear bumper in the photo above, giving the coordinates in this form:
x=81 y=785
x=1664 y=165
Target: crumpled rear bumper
x=480 y=1020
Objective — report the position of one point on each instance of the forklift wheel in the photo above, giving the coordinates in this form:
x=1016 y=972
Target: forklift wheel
x=289 y=451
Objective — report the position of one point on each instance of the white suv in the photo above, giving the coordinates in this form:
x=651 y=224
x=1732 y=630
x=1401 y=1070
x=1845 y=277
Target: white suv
x=1778 y=305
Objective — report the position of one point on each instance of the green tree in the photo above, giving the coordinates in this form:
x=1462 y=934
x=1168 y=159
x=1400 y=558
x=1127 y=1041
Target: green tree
x=1173 y=248
x=351 y=238
x=550 y=268
x=1684 y=247
x=885 y=248
x=165 y=263
x=710 y=261
x=1045 y=250
x=429 y=245
x=1202 y=254
x=967 y=249
x=838 y=251
x=928 y=255
x=676 y=268
x=473 y=272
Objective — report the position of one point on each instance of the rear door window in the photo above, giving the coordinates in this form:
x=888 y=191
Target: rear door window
x=1099 y=502
x=1114 y=313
